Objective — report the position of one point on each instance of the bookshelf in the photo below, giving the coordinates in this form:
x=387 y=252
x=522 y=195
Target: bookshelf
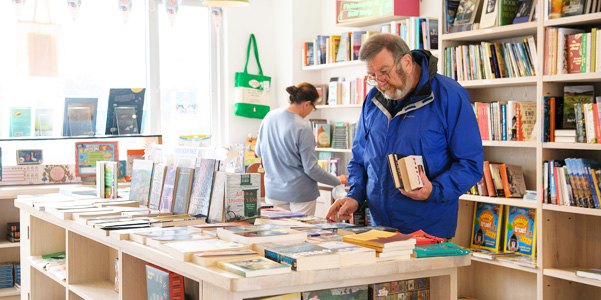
x=91 y=256
x=567 y=237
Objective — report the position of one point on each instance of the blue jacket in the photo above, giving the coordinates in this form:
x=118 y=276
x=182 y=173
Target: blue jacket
x=435 y=121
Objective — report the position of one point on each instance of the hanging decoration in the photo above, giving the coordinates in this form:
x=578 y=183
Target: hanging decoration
x=125 y=9
x=18 y=5
x=74 y=7
x=172 y=6
x=216 y=14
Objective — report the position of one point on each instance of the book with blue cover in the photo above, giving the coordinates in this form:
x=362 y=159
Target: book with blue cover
x=442 y=249
x=20 y=121
x=486 y=230
x=520 y=233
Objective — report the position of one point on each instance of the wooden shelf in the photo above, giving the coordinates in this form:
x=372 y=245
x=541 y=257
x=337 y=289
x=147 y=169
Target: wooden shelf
x=333 y=65
x=579 y=77
x=7 y=244
x=11 y=291
x=572 y=146
x=95 y=290
x=569 y=274
x=494 y=33
x=505 y=201
x=505 y=264
x=586 y=19
x=339 y=106
x=499 y=82
x=333 y=150
x=511 y=144
x=573 y=209
x=47 y=274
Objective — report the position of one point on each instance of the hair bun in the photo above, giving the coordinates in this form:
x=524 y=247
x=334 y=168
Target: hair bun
x=292 y=90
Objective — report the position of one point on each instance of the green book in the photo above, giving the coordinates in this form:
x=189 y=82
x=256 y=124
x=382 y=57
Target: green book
x=442 y=249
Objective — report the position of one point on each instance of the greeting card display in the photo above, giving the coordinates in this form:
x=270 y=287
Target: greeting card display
x=88 y=153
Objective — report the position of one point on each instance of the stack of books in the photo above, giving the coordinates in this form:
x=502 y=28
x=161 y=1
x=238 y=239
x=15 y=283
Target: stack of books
x=13 y=234
x=388 y=245
x=304 y=256
x=6 y=275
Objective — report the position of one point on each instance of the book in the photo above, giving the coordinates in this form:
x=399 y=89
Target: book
x=488 y=254
x=524 y=261
x=133 y=100
x=140 y=182
x=156 y=186
x=267 y=236
x=423 y=238
x=87 y=153
x=359 y=292
x=182 y=190
x=507 y=12
x=380 y=239
x=225 y=232
x=304 y=256
x=490 y=10
x=589 y=273
x=20 y=121
x=322 y=134
x=163 y=284
x=525 y=10
x=405 y=171
x=235 y=197
x=44 y=122
x=486 y=228
x=520 y=231
x=168 y=194
x=202 y=186
x=526 y=120
x=289 y=296
x=184 y=250
x=495 y=172
x=466 y=12
x=573 y=95
x=514 y=184
x=132 y=154
x=210 y=259
x=351 y=255
x=79 y=116
x=253 y=267
x=442 y=249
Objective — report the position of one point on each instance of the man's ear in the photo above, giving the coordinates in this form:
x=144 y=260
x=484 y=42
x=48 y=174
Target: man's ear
x=407 y=63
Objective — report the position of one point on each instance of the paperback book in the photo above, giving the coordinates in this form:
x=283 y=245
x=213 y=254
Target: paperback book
x=486 y=233
x=140 y=181
x=252 y=267
x=304 y=256
x=443 y=249
x=520 y=233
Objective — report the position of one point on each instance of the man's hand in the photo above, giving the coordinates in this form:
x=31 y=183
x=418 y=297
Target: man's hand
x=342 y=209
x=422 y=193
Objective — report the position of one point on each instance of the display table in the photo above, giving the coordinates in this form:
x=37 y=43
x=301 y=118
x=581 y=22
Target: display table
x=91 y=268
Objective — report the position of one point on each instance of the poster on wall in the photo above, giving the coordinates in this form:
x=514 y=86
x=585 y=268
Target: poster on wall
x=125 y=9
x=172 y=6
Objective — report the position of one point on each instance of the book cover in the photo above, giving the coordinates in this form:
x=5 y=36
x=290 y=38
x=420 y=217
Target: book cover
x=87 y=153
x=423 y=238
x=79 y=116
x=526 y=120
x=488 y=17
x=140 y=181
x=466 y=12
x=163 y=284
x=574 y=49
x=486 y=229
x=304 y=256
x=133 y=99
x=525 y=9
x=241 y=196
x=497 y=180
x=252 y=267
x=507 y=12
x=182 y=190
x=442 y=249
x=111 y=172
x=202 y=186
x=379 y=238
x=156 y=186
x=520 y=233
x=359 y=292
x=322 y=132
x=410 y=167
x=168 y=194
x=20 y=121
x=395 y=170
x=573 y=95
x=322 y=90
x=44 y=121
x=490 y=187
x=514 y=183
x=132 y=154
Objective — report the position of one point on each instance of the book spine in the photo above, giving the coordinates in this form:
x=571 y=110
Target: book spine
x=281 y=258
x=504 y=122
x=580 y=130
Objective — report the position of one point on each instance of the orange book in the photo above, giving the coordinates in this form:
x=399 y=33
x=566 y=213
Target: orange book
x=490 y=187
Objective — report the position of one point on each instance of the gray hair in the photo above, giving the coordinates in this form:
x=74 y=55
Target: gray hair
x=393 y=43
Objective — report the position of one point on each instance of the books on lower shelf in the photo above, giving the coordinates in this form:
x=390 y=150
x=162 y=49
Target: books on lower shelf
x=359 y=292
x=163 y=284
x=520 y=233
x=487 y=226
x=417 y=288
x=254 y=266
x=589 y=273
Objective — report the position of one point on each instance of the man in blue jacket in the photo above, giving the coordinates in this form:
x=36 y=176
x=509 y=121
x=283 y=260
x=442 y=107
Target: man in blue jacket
x=412 y=111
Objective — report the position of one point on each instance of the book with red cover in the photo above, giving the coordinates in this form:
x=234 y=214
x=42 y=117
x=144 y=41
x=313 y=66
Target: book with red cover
x=423 y=238
x=574 y=53
x=163 y=284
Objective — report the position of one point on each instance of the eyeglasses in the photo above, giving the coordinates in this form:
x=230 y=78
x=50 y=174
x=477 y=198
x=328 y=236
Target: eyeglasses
x=314 y=108
x=373 y=79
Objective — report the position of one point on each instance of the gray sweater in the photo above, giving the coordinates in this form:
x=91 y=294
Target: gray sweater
x=287 y=147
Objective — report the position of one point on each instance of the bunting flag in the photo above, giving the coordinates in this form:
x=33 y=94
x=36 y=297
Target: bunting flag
x=18 y=5
x=125 y=9
x=74 y=7
x=216 y=14
x=172 y=6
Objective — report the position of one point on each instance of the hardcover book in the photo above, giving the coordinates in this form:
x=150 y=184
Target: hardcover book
x=168 y=194
x=163 y=284
x=202 y=186
x=443 y=249
x=80 y=116
x=574 y=95
x=466 y=12
x=140 y=181
x=486 y=230
x=133 y=99
x=514 y=184
x=156 y=186
x=524 y=12
x=380 y=239
x=252 y=267
x=235 y=197
x=182 y=190
x=520 y=233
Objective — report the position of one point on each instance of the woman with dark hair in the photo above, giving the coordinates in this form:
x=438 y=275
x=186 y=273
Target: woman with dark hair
x=286 y=146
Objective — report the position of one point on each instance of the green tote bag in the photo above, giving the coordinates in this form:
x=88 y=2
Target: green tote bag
x=252 y=91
